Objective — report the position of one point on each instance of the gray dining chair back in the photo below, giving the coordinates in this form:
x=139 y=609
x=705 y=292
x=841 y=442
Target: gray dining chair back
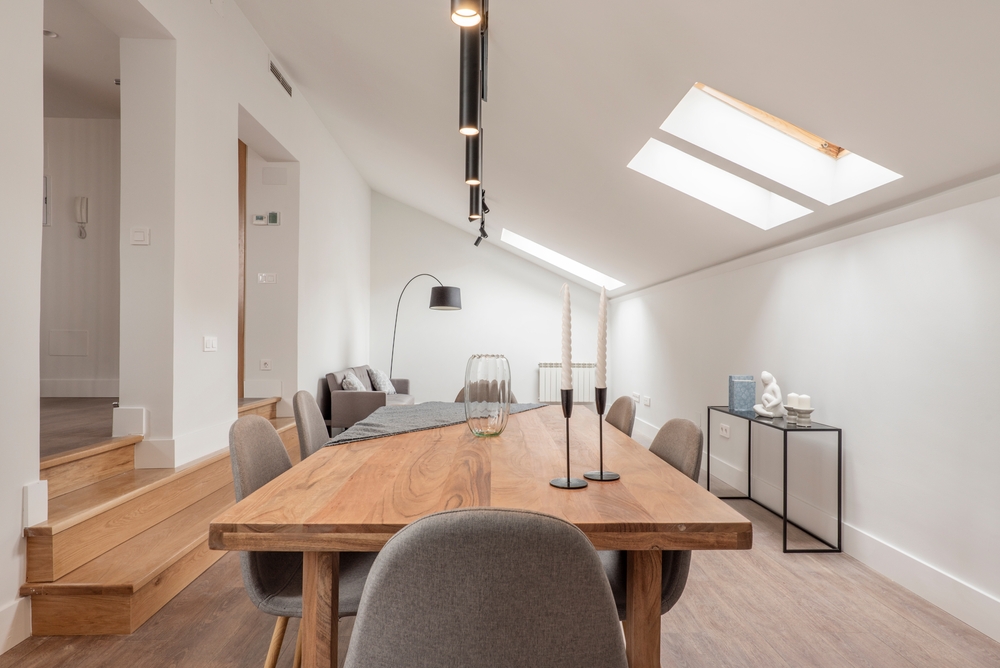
x=273 y=580
x=679 y=444
x=621 y=415
x=488 y=588
x=310 y=423
x=460 y=398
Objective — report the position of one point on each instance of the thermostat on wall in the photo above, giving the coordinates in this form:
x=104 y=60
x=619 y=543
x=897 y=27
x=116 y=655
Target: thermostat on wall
x=259 y=219
x=271 y=218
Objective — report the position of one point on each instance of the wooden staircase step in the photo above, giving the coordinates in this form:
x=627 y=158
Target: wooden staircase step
x=67 y=471
x=289 y=434
x=121 y=589
x=267 y=408
x=89 y=521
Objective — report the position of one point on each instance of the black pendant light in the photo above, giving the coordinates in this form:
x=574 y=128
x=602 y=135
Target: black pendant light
x=475 y=203
x=466 y=13
x=470 y=95
x=474 y=159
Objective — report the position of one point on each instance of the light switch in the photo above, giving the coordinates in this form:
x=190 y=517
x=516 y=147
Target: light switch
x=210 y=344
x=645 y=401
x=267 y=278
x=139 y=236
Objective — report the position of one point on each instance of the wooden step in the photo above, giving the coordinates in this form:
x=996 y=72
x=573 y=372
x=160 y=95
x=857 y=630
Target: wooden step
x=67 y=471
x=118 y=591
x=267 y=408
x=289 y=434
x=87 y=522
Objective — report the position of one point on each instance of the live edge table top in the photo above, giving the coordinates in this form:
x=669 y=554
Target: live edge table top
x=354 y=497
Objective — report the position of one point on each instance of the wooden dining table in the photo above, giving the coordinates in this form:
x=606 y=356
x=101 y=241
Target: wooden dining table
x=353 y=497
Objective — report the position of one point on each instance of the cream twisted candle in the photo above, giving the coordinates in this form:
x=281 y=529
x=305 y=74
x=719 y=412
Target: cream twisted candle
x=567 y=343
x=602 y=340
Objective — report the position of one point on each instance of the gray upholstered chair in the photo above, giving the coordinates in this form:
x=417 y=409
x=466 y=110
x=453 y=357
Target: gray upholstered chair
x=621 y=415
x=273 y=580
x=313 y=434
x=460 y=398
x=488 y=588
x=679 y=444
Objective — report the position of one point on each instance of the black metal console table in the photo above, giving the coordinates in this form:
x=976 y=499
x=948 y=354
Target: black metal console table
x=780 y=424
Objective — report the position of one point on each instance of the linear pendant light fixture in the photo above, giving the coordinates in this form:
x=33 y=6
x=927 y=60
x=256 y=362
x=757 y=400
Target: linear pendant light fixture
x=470 y=83
x=474 y=159
x=473 y=18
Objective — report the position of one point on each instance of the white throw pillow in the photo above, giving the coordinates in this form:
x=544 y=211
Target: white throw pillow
x=381 y=382
x=353 y=383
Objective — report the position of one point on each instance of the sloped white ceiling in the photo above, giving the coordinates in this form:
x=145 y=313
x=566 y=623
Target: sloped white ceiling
x=576 y=89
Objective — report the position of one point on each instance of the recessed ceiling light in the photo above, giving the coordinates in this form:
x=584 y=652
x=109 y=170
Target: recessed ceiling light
x=559 y=260
x=773 y=147
x=49 y=33
x=717 y=187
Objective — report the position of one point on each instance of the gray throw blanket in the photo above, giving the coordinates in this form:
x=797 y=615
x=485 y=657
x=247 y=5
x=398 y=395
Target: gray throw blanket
x=392 y=420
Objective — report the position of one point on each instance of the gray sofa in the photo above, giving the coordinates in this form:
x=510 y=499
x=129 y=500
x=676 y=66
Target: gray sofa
x=348 y=407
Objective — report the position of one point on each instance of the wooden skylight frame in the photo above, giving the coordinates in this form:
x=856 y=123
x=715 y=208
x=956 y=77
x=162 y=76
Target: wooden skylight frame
x=795 y=132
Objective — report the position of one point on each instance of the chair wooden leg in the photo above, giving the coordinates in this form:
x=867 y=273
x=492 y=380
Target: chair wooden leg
x=276 y=638
x=297 y=661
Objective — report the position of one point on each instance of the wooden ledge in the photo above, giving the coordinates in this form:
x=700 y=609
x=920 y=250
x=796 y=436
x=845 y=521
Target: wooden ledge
x=77 y=454
x=247 y=405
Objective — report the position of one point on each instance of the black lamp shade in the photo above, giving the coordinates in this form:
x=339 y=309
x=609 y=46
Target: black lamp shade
x=475 y=202
x=470 y=96
x=446 y=298
x=466 y=12
x=474 y=159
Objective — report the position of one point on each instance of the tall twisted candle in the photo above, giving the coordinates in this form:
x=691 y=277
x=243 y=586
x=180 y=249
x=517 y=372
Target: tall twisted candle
x=602 y=341
x=567 y=343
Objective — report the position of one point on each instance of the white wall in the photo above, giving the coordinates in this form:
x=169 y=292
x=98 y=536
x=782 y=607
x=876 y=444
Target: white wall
x=21 y=146
x=271 y=308
x=80 y=276
x=894 y=335
x=509 y=306
x=221 y=64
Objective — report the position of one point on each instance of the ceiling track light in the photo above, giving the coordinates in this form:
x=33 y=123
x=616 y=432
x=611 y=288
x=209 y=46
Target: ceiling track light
x=474 y=159
x=467 y=13
x=470 y=95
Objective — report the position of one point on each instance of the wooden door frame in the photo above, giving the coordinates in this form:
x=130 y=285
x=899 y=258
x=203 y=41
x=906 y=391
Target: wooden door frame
x=241 y=318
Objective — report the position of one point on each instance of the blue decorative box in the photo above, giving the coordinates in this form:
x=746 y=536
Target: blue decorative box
x=742 y=393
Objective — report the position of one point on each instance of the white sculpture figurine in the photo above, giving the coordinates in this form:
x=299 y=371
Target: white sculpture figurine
x=770 y=405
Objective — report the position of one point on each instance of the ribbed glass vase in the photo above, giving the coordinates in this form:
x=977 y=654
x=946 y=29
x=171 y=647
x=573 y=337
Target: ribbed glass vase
x=487 y=394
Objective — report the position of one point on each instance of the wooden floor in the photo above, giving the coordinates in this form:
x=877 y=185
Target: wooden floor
x=740 y=609
x=73 y=422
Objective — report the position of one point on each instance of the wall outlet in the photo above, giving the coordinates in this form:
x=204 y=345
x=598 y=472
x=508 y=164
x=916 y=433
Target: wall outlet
x=210 y=344
x=645 y=401
x=635 y=397
x=724 y=430
x=265 y=365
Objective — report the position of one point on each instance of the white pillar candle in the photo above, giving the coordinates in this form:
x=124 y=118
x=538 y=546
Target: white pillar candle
x=602 y=340
x=792 y=400
x=567 y=341
x=804 y=400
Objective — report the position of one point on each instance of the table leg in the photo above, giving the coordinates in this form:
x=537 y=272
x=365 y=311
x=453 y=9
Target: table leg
x=320 y=598
x=642 y=608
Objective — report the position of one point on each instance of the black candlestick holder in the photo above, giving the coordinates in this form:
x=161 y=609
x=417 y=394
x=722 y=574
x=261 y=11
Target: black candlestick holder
x=567 y=482
x=601 y=398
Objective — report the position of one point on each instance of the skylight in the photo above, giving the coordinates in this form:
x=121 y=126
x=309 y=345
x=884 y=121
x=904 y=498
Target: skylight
x=772 y=147
x=559 y=260
x=717 y=187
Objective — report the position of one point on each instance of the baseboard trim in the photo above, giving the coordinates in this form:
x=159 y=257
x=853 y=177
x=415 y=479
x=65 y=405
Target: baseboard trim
x=643 y=432
x=78 y=387
x=976 y=608
x=15 y=623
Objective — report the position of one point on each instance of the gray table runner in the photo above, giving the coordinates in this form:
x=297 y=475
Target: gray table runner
x=392 y=420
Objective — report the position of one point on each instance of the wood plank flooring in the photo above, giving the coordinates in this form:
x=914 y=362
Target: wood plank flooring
x=73 y=422
x=740 y=609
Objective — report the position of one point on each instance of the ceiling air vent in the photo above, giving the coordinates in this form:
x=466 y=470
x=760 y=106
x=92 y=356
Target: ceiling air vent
x=281 y=79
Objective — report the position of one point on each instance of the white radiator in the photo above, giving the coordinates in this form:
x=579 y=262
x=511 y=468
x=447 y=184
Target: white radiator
x=550 y=382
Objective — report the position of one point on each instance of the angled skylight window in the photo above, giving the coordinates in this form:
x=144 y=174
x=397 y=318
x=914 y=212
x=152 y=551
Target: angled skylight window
x=772 y=147
x=559 y=260
x=728 y=192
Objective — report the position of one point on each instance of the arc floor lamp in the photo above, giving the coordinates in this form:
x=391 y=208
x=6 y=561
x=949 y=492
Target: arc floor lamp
x=443 y=298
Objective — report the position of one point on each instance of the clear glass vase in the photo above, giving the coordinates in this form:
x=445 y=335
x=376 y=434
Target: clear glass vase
x=487 y=394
